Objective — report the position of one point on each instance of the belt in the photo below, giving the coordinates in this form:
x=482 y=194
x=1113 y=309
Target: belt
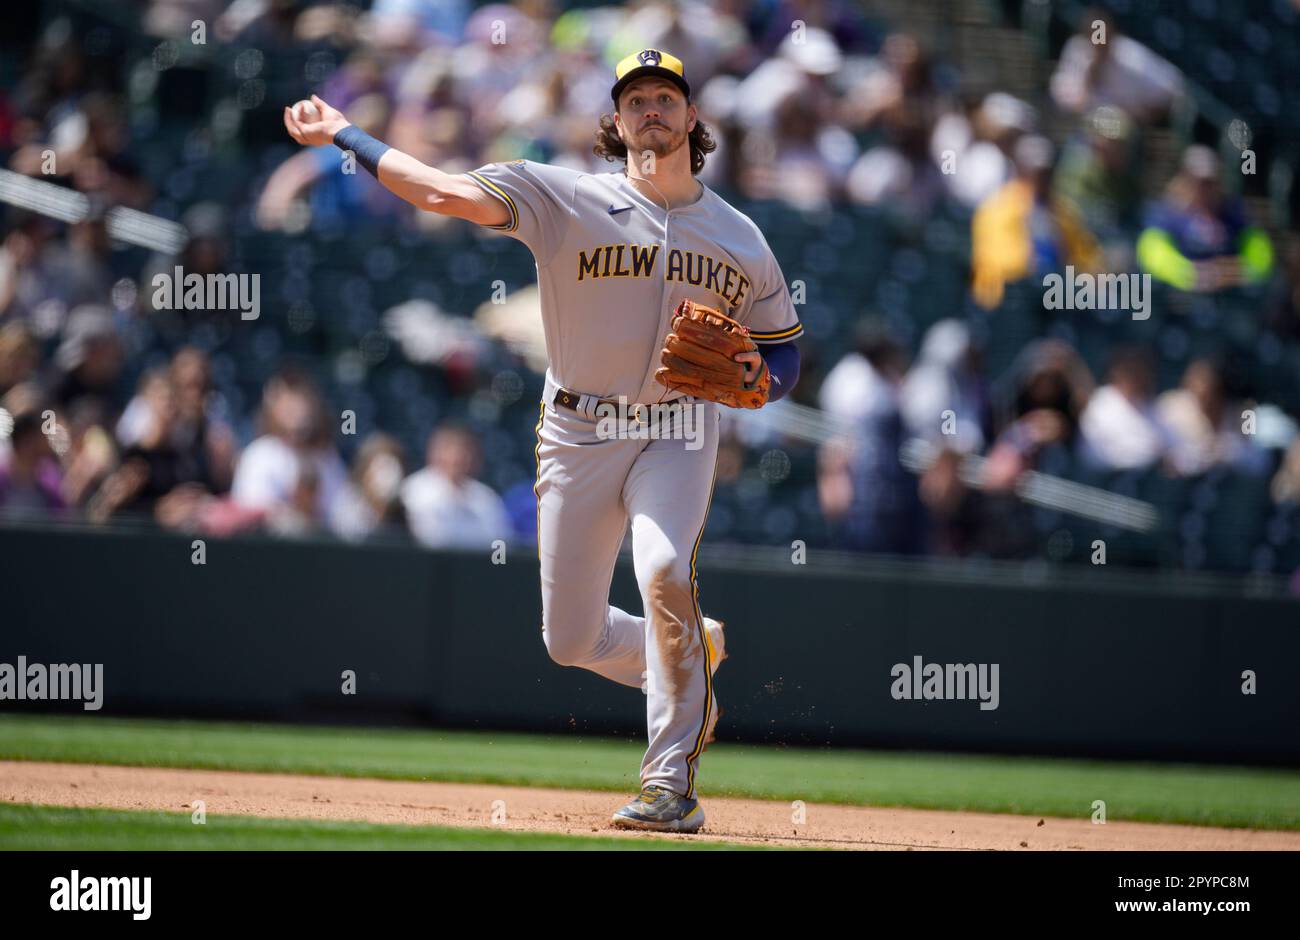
x=637 y=411
x=568 y=399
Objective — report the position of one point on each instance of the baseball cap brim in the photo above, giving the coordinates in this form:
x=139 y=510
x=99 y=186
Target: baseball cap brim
x=649 y=71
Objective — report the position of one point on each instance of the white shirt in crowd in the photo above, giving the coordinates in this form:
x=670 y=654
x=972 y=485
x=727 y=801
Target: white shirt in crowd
x=1119 y=435
x=268 y=472
x=854 y=390
x=441 y=514
x=1134 y=79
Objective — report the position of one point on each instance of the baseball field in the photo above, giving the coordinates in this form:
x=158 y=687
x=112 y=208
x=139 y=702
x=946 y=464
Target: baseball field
x=87 y=783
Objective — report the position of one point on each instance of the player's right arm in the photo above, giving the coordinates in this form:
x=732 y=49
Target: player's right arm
x=316 y=124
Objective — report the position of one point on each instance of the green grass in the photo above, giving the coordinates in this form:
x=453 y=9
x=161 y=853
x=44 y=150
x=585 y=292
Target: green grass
x=1180 y=793
x=56 y=829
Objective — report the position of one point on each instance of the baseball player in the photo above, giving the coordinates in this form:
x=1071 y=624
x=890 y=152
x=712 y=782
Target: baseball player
x=654 y=292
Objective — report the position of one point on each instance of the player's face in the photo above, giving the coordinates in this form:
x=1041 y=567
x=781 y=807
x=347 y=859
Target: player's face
x=653 y=115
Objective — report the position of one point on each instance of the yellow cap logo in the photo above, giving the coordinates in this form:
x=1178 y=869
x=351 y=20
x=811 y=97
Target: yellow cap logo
x=650 y=58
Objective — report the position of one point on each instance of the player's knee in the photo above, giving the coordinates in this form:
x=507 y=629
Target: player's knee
x=565 y=649
x=666 y=571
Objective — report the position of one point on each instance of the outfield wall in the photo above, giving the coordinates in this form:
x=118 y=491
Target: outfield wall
x=1089 y=661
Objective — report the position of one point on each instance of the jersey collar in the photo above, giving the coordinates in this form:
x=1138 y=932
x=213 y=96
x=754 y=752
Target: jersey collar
x=625 y=184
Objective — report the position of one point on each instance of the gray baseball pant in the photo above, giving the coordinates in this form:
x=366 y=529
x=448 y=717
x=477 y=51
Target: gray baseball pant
x=588 y=489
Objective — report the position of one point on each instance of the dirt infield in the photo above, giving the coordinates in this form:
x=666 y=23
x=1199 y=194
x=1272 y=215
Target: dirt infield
x=582 y=812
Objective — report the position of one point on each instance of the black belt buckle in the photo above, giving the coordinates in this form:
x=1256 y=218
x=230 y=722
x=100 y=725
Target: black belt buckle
x=637 y=412
x=566 y=398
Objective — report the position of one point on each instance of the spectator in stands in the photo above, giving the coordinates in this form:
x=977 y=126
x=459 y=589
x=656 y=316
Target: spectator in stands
x=900 y=99
x=429 y=124
x=89 y=360
x=1098 y=175
x=174 y=19
x=445 y=505
x=27 y=274
x=411 y=25
x=165 y=448
x=29 y=480
x=22 y=398
x=263 y=24
x=866 y=495
x=1120 y=429
x=946 y=378
x=1023 y=231
x=900 y=176
x=974 y=149
x=1198 y=239
x=802 y=161
x=1048 y=391
x=1204 y=427
x=802 y=67
x=843 y=20
x=87 y=145
x=364 y=73
x=20 y=355
x=48 y=89
x=945 y=403
x=487 y=68
x=141 y=412
x=292 y=475
x=1099 y=66
x=91 y=455
x=185 y=385
x=371 y=504
x=198 y=429
x=790 y=149
x=702 y=35
x=78 y=267
x=900 y=88
x=206 y=254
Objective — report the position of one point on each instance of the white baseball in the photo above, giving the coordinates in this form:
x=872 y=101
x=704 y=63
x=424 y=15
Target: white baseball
x=306 y=112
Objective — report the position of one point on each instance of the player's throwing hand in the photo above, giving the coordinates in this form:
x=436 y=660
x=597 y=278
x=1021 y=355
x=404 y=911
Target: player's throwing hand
x=313 y=123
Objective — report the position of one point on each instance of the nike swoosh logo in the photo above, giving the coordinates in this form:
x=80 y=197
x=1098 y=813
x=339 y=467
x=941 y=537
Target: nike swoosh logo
x=616 y=211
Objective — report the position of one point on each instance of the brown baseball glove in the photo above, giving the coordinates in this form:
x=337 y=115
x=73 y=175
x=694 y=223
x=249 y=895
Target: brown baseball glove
x=698 y=358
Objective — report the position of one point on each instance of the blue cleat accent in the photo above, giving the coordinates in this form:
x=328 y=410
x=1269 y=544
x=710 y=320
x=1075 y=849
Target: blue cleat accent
x=660 y=810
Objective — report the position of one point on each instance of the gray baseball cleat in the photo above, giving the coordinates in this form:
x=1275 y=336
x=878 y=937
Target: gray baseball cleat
x=660 y=810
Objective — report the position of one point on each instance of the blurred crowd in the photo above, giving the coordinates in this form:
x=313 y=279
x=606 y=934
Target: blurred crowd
x=72 y=451
x=839 y=111
x=1048 y=412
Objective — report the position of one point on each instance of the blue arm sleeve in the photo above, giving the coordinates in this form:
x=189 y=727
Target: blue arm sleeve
x=368 y=150
x=783 y=362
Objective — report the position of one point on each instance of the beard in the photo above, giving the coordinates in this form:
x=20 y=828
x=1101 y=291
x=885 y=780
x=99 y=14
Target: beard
x=659 y=142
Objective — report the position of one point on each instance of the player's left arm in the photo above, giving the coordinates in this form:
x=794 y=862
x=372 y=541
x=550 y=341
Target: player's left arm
x=783 y=365
x=782 y=361
x=773 y=326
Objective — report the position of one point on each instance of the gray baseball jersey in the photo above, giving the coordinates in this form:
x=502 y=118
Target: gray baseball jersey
x=611 y=267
